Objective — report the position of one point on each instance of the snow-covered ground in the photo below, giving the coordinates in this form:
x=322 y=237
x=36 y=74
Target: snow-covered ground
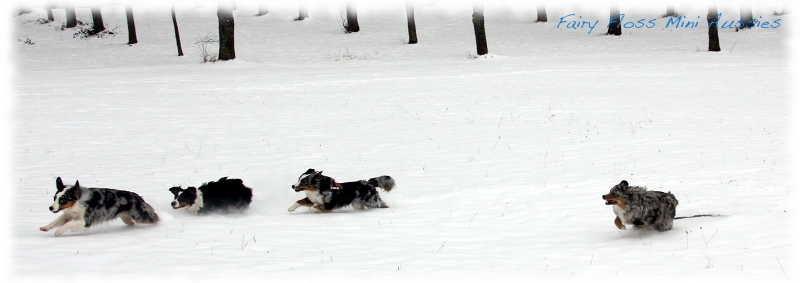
x=500 y=161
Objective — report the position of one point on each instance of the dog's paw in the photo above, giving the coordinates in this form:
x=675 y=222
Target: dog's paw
x=44 y=228
x=60 y=232
x=623 y=227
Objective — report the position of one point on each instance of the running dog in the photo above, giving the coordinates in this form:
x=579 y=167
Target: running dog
x=642 y=208
x=324 y=194
x=84 y=206
x=225 y=195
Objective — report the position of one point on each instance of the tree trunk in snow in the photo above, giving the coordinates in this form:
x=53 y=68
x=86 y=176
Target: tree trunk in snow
x=480 y=31
x=177 y=34
x=352 y=17
x=713 y=21
x=746 y=14
x=97 y=21
x=614 y=25
x=72 y=20
x=225 y=19
x=303 y=11
x=262 y=8
x=671 y=10
x=50 y=13
x=412 y=25
x=131 y=25
x=541 y=14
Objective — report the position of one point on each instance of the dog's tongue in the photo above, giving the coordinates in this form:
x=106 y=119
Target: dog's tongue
x=610 y=202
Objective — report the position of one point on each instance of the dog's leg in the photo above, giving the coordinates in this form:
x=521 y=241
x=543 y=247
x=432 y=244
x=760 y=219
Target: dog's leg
x=663 y=226
x=319 y=208
x=358 y=205
x=377 y=204
x=299 y=203
x=63 y=218
x=375 y=201
x=126 y=218
x=619 y=224
x=75 y=225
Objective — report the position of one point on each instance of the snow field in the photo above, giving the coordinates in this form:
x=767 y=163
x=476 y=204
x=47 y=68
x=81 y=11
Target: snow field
x=500 y=162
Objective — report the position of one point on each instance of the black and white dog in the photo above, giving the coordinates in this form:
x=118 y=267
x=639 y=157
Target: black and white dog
x=82 y=207
x=324 y=194
x=225 y=195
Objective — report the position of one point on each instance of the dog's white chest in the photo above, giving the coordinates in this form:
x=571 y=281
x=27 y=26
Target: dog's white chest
x=198 y=203
x=76 y=212
x=621 y=214
x=317 y=197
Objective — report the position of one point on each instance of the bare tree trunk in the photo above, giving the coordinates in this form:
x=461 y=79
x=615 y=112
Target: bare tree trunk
x=177 y=34
x=131 y=25
x=713 y=21
x=97 y=21
x=480 y=31
x=671 y=10
x=352 y=17
x=412 y=25
x=226 y=31
x=72 y=20
x=746 y=14
x=541 y=14
x=49 y=13
x=614 y=25
x=262 y=8
x=303 y=11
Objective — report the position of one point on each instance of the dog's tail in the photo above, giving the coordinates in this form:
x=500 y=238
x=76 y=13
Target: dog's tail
x=384 y=182
x=701 y=215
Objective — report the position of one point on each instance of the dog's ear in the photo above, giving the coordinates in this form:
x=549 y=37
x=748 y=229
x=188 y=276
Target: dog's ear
x=75 y=191
x=623 y=184
x=59 y=185
x=309 y=171
x=318 y=176
x=323 y=183
x=191 y=190
x=176 y=190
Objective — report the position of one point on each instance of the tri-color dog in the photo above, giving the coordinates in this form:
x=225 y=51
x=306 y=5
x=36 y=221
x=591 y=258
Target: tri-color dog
x=641 y=208
x=324 y=194
x=223 y=196
x=82 y=207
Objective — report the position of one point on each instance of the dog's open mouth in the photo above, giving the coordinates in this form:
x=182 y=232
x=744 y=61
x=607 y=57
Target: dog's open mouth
x=611 y=202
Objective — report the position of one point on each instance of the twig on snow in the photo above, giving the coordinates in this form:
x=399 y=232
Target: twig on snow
x=440 y=248
x=781 y=265
x=201 y=148
x=498 y=198
x=712 y=237
x=473 y=218
x=704 y=237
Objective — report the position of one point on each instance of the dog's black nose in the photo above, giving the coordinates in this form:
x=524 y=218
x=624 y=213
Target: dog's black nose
x=50 y=208
x=292 y=186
